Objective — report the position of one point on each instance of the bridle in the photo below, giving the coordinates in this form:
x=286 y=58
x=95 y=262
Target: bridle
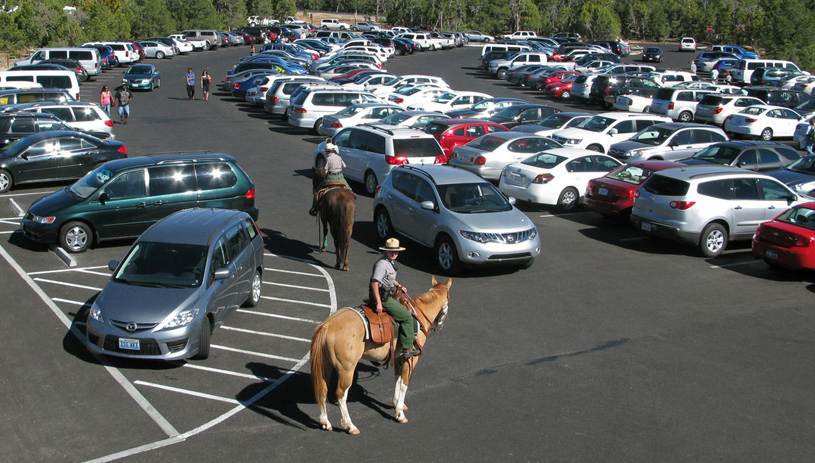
x=425 y=323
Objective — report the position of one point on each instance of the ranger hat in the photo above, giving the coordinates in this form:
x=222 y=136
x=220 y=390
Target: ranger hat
x=330 y=147
x=392 y=245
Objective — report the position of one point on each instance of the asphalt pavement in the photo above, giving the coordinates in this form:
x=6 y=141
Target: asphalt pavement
x=612 y=347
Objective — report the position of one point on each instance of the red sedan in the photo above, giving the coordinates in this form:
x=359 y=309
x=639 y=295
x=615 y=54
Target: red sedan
x=789 y=239
x=614 y=194
x=562 y=89
x=456 y=132
x=553 y=78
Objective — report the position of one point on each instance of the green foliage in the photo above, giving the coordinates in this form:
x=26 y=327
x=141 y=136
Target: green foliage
x=597 y=22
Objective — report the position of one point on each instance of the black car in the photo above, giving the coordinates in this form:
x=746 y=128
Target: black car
x=799 y=176
x=759 y=156
x=70 y=64
x=523 y=114
x=17 y=125
x=778 y=97
x=411 y=45
x=652 y=54
x=773 y=77
x=52 y=156
x=605 y=89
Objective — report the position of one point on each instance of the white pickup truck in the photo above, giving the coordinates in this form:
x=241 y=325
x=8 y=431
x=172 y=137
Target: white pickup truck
x=520 y=35
x=196 y=44
x=258 y=21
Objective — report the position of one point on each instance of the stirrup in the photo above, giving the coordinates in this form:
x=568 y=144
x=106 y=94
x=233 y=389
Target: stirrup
x=408 y=353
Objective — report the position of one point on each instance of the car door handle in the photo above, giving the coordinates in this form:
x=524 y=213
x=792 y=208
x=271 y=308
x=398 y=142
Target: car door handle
x=737 y=207
x=158 y=203
x=141 y=205
x=771 y=207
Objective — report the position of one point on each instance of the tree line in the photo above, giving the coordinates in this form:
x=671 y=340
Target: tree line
x=778 y=29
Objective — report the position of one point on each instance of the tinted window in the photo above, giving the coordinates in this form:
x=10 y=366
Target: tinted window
x=322 y=99
x=745 y=188
x=417 y=147
x=236 y=239
x=716 y=188
x=788 y=153
x=769 y=157
x=22 y=125
x=666 y=186
x=167 y=180
x=85 y=115
x=55 y=81
x=128 y=185
x=58 y=54
x=63 y=113
x=773 y=190
x=214 y=176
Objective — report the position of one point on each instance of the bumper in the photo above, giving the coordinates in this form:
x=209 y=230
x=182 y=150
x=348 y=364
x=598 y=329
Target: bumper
x=538 y=194
x=795 y=258
x=166 y=345
x=474 y=254
x=485 y=172
x=140 y=85
x=660 y=229
x=39 y=232
x=606 y=207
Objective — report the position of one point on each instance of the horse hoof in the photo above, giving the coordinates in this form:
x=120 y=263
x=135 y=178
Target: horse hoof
x=402 y=420
x=327 y=427
x=323 y=249
x=353 y=431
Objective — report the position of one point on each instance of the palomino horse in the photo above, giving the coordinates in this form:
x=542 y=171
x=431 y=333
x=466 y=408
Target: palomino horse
x=337 y=209
x=339 y=344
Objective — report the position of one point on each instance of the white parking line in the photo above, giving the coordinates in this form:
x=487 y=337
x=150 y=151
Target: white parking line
x=736 y=264
x=62 y=283
x=257 y=354
x=45 y=272
x=274 y=315
x=186 y=392
x=280 y=299
x=226 y=372
x=295 y=286
x=91 y=272
x=41 y=193
x=293 y=272
x=15 y=222
x=16 y=207
x=262 y=333
x=9 y=232
x=68 y=301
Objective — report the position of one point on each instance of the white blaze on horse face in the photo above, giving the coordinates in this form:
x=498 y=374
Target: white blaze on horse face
x=399 y=393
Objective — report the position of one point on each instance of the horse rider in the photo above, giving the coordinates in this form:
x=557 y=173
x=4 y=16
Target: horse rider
x=333 y=167
x=382 y=288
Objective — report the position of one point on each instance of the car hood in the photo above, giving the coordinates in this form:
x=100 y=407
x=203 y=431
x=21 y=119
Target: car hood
x=53 y=203
x=139 y=76
x=154 y=304
x=794 y=179
x=465 y=114
x=629 y=145
x=578 y=134
x=498 y=222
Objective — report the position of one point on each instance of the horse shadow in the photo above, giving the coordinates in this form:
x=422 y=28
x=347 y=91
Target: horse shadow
x=292 y=402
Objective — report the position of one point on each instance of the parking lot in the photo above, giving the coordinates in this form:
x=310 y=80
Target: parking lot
x=612 y=347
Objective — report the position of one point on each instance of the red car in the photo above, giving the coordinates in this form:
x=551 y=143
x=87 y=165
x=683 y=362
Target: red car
x=554 y=77
x=562 y=89
x=789 y=239
x=614 y=194
x=456 y=132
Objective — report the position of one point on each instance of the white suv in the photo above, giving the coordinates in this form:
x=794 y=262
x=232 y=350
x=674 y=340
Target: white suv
x=371 y=152
x=311 y=104
x=334 y=24
x=707 y=206
x=598 y=133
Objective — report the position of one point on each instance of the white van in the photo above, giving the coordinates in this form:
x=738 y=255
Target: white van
x=19 y=85
x=512 y=48
x=744 y=69
x=65 y=80
x=89 y=57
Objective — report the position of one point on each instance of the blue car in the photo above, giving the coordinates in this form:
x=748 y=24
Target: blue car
x=799 y=176
x=143 y=77
x=736 y=50
x=242 y=86
x=269 y=63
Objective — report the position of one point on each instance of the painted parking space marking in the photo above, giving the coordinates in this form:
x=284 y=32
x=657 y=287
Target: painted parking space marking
x=253 y=312
x=254 y=354
x=186 y=392
x=64 y=270
x=307 y=288
x=736 y=264
x=73 y=285
x=227 y=372
x=261 y=333
x=68 y=301
x=290 y=271
x=294 y=301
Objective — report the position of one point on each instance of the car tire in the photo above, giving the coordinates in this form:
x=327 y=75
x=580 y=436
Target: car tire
x=595 y=147
x=203 y=340
x=398 y=52
x=316 y=129
x=767 y=134
x=713 y=240
x=158 y=83
x=75 y=237
x=447 y=256
x=206 y=46
x=255 y=289
x=6 y=181
x=370 y=183
x=487 y=40
x=342 y=28
x=646 y=109
x=685 y=116
x=355 y=29
x=382 y=221
x=567 y=202
x=159 y=55
x=502 y=74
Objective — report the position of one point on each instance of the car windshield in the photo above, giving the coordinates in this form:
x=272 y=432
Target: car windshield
x=163 y=265
x=350 y=111
x=799 y=215
x=724 y=155
x=596 y=123
x=445 y=97
x=753 y=110
x=487 y=143
x=483 y=106
x=91 y=182
x=544 y=160
x=652 y=50
x=473 y=198
x=555 y=121
x=139 y=70
x=510 y=112
x=805 y=165
x=628 y=173
x=653 y=135
x=395 y=118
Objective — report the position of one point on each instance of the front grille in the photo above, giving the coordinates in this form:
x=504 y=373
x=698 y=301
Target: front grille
x=93 y=339
x=140 y=327
x=560 y=140
x=616 y=153
x=146 y=346
x=518 y=237
x=503 y=257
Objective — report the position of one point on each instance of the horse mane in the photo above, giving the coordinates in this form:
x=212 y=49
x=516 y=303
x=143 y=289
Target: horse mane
x=431 y=296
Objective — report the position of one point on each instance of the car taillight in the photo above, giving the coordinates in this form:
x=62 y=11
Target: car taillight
x=109 y=123
x=396 y=160
x=441 y=159
x=750 y=119
x=543 y=179
x=399 y=100
x=300 y=110
x=607 y=91
x=637 y=193
x=630 y=102
x=480 y=161
x=682 y=205
x=718 y=110
x=250 y=194
x=122 y=150
x=802 y=241
x=237 y=85
x=274 y=98
x=670 y=105
x=336 y=125
x=264 y=89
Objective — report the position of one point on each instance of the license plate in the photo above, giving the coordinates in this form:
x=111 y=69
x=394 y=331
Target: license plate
x=516 y=178
x=646 y=226
x=771 y=254
x=602 y=191
x=129 y=344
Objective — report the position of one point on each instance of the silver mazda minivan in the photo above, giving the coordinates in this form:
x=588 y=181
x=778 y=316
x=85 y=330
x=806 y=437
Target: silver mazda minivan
x=179 y=281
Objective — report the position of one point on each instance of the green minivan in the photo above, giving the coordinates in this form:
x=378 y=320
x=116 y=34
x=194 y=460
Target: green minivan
x=122 y=198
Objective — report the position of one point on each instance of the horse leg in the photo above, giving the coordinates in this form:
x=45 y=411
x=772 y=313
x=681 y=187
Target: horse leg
x=322 y=400
x=324 y=247
x=345 y=379
x=400 y=391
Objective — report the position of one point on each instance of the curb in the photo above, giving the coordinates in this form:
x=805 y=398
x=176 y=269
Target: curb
x=63 y=255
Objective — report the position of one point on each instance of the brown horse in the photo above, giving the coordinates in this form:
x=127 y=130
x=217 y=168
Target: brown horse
x=339 y=343
x=337 y=209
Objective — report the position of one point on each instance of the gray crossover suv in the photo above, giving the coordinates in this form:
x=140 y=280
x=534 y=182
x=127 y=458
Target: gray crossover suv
x=179 y=281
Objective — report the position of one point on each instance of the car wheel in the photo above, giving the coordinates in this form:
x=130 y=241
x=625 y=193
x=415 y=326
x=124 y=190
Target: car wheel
x=767 y=134
x=565 y=95
x=713 y=240
x=370 y=183
x=5 y=181
x=646 y=109
x=158 y=83
x=355 y=29
x=487 y=40
x=568 y=200
x=685 y=116
x=325 y=27
x=159 y=55
x=254 y=295
x=206 y=46
x=316 y=129
x=447 y=256
x=75 y=237
x=597 y=148
x=203 y=340
x=384 y=228
x=342 y=28
x=152 y=85
x=502 y=74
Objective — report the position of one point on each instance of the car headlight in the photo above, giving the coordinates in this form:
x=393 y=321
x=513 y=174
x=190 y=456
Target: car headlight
x=180 y=319
x=481 y=237
x=95 y=313
x=46 y=220
x=572 y=141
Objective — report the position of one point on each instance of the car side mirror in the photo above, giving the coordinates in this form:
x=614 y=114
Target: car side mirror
x=223 y=274
x=428 y=205
x=104 y=197
x=791 y=199
x=112 y=265
x=613 y=131
x=511 y=200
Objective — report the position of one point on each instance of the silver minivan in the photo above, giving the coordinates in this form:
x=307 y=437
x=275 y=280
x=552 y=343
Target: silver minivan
x=88 y=57
x=177 y=283
x=309 y=106
x=677 y=103
x=671 y=141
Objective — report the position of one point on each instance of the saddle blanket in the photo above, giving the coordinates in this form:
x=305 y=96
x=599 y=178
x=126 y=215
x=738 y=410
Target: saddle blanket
x=360 y=311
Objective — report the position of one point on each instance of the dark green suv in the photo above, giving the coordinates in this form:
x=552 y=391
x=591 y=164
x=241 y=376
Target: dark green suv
x=121 y=199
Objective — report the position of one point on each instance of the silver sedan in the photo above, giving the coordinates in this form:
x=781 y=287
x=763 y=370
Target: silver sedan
x=157 y=50
x=489 y=154
x=356 y=115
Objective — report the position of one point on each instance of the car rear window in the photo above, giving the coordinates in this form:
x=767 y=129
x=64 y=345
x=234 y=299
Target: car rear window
x=436 y=128
x=417 y=147
x=714 y=100
x=666 y=186
x=664 y=94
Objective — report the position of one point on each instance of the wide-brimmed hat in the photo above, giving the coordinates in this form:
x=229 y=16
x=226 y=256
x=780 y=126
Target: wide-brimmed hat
x=330 y=147
x=392 y=245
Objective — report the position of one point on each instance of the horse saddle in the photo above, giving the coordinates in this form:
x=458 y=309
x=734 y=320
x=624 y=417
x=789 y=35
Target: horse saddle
x=328 y=187
x=380 y=329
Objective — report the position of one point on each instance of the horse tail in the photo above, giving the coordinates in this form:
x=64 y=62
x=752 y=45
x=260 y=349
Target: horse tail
x=318 y=363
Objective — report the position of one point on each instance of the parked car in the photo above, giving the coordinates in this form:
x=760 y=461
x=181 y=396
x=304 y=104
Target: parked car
x=652 y=54
x=486 y=108
x=554 y=123
x=523 y=114
x=759 y=156
x=635 y=102
x=787 y=241
x=15 y=125
x=716 y=107
x=487 y=155
x=143 y=76
x=602 y=130
x=176 y=285
x=778 y=97
x=450 y=101
x=158 y=50
x=763 y=121
x=687 y=44
x=606 y=88
x=774 y=77
x=413 y=119
x=357 y=114
x=463 y=218
x=81 y=115
x=613 y=194
x=72 y=64
x=677 y=102
x=708 y=206
x=108 y=202
x=799 y=176
x=561 y=90
x=456 y=132
x=54 y=156
x=670 y=141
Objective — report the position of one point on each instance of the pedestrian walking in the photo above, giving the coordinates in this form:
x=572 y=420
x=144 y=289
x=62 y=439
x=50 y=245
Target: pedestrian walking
x=252 y=50
x=205 y=81
x=122 y=99
x=106 y=99
x=693 y=67
x=190 y=78
x=714 y=75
